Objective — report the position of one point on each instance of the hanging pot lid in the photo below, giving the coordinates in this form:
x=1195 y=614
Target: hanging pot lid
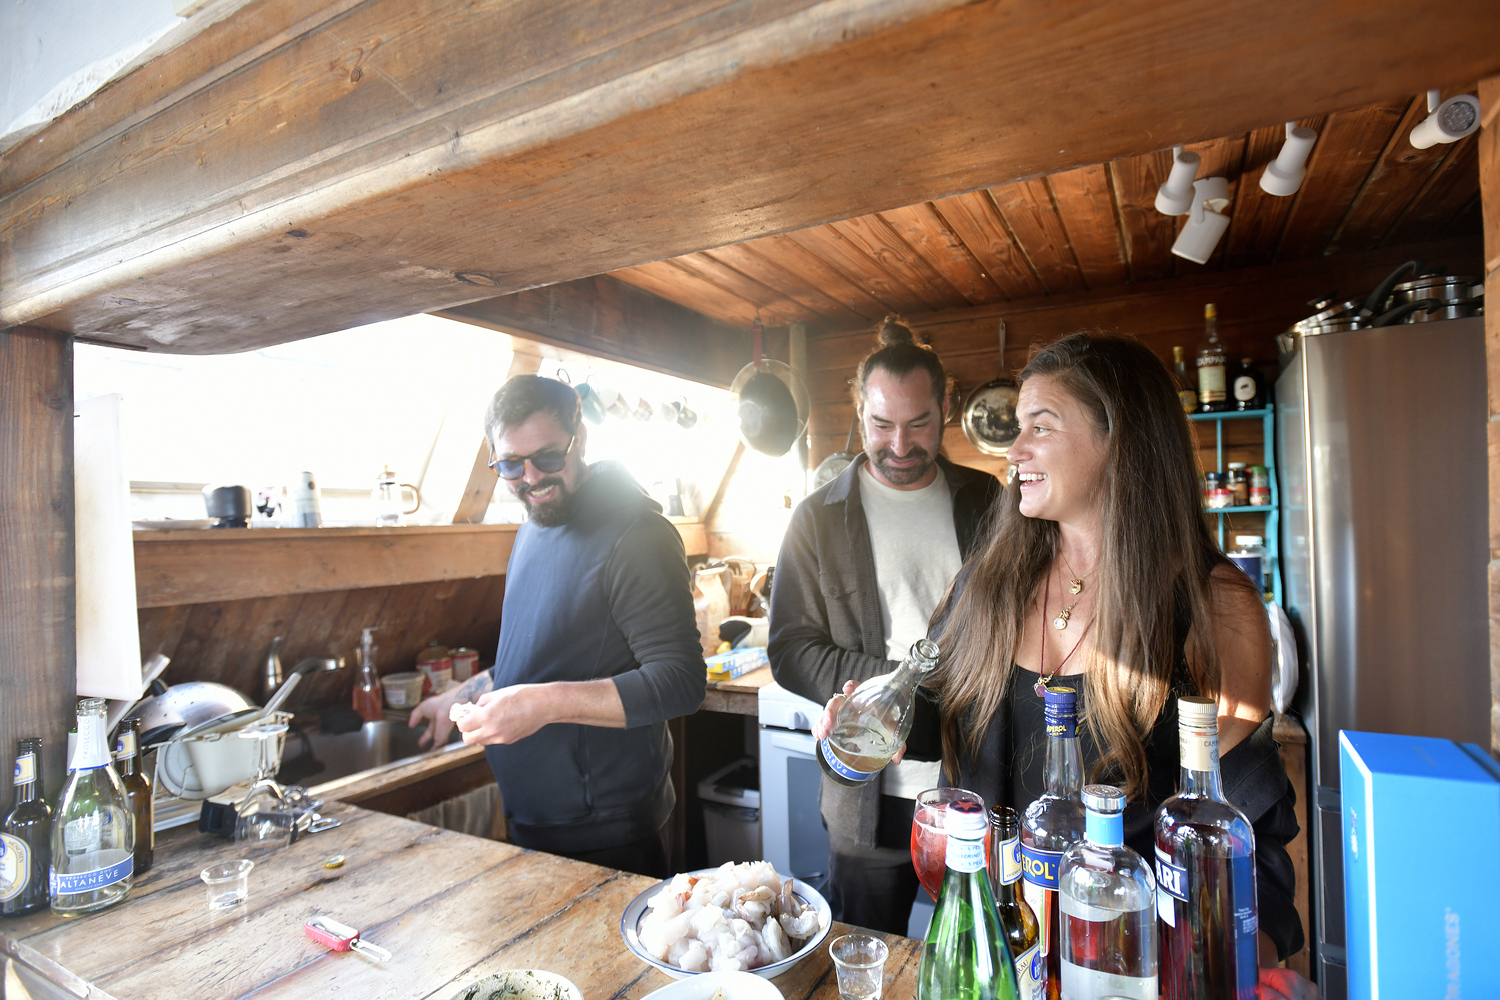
x=990 y=422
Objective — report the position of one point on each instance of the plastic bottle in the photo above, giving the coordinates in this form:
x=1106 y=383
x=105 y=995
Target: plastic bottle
x=367 y=681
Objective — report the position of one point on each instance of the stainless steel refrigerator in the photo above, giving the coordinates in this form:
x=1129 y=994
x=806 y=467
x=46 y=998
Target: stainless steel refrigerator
x=1384 y=492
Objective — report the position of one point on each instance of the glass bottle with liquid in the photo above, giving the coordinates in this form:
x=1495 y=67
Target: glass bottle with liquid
x=875 y=720
x=1212 y=366
x=1205 y=873
x=137 y=785
x=966 y=956
x=1053 y=823
x=1022 y=934
x=1187 y=387
x=1108 y=902
x=25 y=839
x=93 y=831
x=367 y=681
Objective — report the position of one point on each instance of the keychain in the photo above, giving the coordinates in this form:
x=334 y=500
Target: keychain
x=341 y=937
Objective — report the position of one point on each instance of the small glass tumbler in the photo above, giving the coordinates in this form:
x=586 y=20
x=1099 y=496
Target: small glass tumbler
x=228 y=883
x=860 y=959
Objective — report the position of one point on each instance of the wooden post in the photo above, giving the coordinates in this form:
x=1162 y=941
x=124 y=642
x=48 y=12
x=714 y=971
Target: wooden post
x=1489 y=189
x=482 y=479
x=37 y=656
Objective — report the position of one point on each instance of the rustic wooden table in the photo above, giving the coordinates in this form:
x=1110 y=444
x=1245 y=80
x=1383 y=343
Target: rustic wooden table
x=451 y=908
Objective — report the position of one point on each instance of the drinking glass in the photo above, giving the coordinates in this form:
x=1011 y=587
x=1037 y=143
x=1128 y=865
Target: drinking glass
x=265 y=817
x=860 y=959
x=929 y=843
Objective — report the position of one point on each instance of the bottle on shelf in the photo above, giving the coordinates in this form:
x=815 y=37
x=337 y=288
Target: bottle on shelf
x=1022 y=935
x=93 y=831
x=966 y=956
x=367 y=681
x=1238 y=482
x=26 y=837
x=137 y=785
x=1108 y=902
x=1205 y=873
x=1212 y=366
x=875 y=720
x=1249 y=554
x=1249 y=388
x=1187 y=387
x=1053 y=823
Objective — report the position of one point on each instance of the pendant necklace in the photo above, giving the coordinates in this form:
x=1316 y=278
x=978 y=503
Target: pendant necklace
x=1044 y=678
x=1075 y=582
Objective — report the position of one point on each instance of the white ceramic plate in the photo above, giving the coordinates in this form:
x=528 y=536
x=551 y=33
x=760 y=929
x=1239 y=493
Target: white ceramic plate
x=703 y=986
x=635 y=912
x=521 y=984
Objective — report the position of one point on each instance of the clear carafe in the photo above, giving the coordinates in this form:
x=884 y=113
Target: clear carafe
x=1107 y=900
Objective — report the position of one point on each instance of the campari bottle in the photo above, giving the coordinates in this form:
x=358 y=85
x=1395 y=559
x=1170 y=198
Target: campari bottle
x=1108 y=902
x=1205 y=874
x=875 y=720
x=1053 y=823
x=93 y=832
x=1022 y=934
x=966 y=957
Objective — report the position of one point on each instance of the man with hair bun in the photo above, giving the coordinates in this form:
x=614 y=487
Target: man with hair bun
x=598 y=647
x=864 y=563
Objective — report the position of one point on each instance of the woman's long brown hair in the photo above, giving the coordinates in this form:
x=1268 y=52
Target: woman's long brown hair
x=1156 y=537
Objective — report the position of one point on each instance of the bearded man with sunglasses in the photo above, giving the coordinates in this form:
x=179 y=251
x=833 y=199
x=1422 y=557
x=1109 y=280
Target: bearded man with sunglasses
x=598 y=647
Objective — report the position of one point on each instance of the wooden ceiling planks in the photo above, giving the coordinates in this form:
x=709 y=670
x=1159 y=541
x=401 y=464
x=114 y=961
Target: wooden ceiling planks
x=1259 y=218
x=877 y=238
x=744 y=258
x=928 y=235
x=1147 y=234
x=829 y=244
x=976 y=221
x=1028 y=211
x=1086 y=205
x=1448 y=189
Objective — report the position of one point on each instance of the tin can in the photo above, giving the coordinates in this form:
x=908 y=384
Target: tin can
x=1260 y=486
x=465 y=662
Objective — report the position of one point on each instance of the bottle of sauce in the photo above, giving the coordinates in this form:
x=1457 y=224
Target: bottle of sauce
x=367 y=681
x=1212 y=365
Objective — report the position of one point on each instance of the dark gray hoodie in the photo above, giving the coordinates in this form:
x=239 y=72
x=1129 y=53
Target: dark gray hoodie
x=606 y=594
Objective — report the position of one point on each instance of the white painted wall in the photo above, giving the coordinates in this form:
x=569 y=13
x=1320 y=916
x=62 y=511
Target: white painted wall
x=61 y=51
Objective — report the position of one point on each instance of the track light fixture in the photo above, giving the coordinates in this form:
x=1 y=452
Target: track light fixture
x=1206 y=222
x=1283 y=176
x=1449 y=121
x=1176 y=196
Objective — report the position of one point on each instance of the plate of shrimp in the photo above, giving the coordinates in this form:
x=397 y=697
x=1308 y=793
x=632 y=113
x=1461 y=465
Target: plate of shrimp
x=735 y=918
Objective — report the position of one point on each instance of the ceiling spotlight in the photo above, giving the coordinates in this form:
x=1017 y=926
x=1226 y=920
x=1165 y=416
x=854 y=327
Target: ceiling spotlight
x=1283 y=176
x=1206 y=222
x=1449 y=122
x=1176 y=196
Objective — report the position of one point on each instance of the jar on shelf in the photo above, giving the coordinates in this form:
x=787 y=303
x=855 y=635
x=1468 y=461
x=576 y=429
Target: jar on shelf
x=1216 y=490
x=1260 y=486
x=1239 y=485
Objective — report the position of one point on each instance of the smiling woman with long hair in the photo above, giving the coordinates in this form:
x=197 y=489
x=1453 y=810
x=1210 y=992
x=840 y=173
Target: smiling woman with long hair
x=1100 y=562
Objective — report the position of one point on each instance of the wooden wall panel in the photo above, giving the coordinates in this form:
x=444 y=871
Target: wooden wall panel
x=37 y=654
x=1489 y=188
x=227 y=641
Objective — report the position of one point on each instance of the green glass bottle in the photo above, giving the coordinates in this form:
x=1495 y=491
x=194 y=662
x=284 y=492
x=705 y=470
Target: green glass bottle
x=966 y=957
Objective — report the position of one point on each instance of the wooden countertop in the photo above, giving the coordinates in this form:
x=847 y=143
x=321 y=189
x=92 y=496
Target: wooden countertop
x=451 y=909
x=738 y=696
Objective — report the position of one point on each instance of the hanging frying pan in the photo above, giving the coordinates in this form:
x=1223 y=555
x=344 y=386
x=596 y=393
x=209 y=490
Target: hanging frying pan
x=828 y=470
x=990 y=421
x=770 y=402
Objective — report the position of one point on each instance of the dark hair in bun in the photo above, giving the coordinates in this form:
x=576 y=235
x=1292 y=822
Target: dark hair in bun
x=900 y=354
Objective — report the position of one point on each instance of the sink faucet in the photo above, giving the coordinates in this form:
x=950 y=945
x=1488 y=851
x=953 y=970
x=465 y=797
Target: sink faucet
x=274 y=680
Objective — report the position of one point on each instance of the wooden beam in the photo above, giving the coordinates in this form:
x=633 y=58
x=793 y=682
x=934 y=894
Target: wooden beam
x=37 y=656
x=480 y=489
x=368 y=160
x=607 y=318
x=1489 y=191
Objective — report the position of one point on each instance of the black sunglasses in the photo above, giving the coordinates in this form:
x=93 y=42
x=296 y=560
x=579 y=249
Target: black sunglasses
x=542 y=461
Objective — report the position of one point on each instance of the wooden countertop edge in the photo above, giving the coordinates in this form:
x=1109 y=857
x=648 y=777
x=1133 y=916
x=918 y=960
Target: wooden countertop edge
x=356 y=788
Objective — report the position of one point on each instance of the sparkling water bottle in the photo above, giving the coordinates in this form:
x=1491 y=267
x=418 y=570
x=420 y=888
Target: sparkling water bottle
x=966 y=957
x=875 y=720
x=1107 y=899
x=93 y=833
x=1053 y=823
x=1205 y=873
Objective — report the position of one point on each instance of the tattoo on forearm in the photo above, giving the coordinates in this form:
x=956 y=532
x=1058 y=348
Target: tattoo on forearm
x=476 y=686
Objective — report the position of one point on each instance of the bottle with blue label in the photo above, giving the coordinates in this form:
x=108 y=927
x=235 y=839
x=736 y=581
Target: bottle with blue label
x=1107 y=898
x=1021 y=931
x=875 y=720
x=965 y=956
x=1053 y=823
x=25 y=840
x=93 y=832
x=1205 y=873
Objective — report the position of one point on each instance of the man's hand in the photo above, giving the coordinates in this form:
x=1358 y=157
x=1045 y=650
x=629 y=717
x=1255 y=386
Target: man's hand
x=434 y=711
x=508 y=715
x=830 y=715
x=1284 y=984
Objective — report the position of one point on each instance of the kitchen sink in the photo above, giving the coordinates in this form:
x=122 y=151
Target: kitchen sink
x=312 y=756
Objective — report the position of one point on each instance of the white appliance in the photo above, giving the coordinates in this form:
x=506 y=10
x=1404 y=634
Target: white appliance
x=792 y=833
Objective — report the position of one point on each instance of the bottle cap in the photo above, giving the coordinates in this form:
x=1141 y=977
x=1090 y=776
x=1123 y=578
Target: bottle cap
x=1060 y=711
x=965 y=819
x=1248 y=540
x=1236 y=465
x=1105 y=799
x=1196 y=711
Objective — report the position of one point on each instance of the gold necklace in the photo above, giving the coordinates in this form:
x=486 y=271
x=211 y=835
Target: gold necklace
x=1075 y=582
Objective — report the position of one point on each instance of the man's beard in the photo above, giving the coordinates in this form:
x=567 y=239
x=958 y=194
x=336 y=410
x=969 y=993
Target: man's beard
x=547 y=513
x=902 y=477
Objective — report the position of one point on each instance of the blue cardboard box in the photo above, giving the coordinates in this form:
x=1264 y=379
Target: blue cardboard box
x=1421 y=867
x=727 y=666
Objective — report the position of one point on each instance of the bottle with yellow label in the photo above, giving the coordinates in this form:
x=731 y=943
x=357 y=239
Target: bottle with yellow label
x=25 y=842
x=1021 y=930
x=1213 y=394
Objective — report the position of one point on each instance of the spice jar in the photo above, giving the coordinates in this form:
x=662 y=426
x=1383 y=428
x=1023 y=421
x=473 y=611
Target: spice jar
x=1260 y=486
x=1239 y=485
x=1216 y=490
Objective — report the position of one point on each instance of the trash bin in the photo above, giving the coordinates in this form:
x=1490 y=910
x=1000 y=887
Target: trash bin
x=731 y=812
